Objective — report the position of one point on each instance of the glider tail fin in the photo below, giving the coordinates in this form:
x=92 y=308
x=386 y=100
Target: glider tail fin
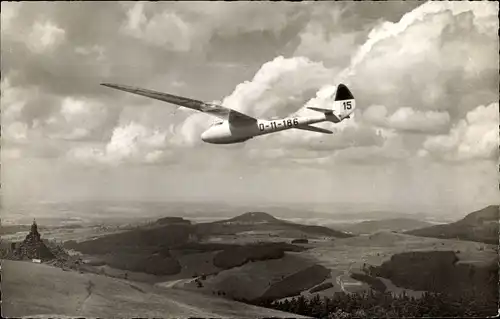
x=343 y=105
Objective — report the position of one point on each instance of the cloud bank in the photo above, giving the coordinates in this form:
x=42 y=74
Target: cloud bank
x=422 y=94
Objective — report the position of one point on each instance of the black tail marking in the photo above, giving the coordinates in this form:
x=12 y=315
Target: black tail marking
x=343 y=93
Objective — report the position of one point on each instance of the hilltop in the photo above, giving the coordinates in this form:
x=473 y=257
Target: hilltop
x=479 y=226
x=264 y=222
x=253 y=218
x=66 y=293
x=172 y=221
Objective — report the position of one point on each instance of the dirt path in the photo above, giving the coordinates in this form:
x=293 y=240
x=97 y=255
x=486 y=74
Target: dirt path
x=89 y=286
x=174 y=283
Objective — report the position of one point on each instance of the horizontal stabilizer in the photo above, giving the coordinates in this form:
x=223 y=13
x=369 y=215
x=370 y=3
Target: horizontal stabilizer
x=318 y=109
x=313 y=129
x=331 y=117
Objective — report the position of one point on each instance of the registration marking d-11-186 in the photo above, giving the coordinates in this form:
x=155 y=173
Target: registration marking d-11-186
x=278 y=124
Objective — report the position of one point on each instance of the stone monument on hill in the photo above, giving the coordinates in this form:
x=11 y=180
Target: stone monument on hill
x=33 y=247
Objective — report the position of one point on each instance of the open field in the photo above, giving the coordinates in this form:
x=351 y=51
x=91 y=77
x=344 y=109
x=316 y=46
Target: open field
x=350 y=253
x=36 y=289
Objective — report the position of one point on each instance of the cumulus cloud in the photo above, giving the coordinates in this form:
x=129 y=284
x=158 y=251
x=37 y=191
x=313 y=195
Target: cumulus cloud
x=410 y=72
x=77 y=119
x=165 y=29
x=279 y=88
x=45 y=37
x=407 y=119
x=423 y=61
x=475 y=137
x=439 y=13
x=129 y=143
x=324 y=38
x=186 y=27
x=29 y=111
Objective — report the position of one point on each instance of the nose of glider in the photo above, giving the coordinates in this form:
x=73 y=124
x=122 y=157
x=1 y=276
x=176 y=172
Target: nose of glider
x=215 y=135
x=206 y=136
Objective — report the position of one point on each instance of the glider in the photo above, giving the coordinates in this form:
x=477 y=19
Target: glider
x=236 y=127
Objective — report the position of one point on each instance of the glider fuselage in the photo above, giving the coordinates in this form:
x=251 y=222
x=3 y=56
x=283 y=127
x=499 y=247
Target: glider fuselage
x=228 y=133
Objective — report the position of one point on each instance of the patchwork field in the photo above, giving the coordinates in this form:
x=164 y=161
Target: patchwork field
x=351 y=253
x=341 y=256
x=64 y=234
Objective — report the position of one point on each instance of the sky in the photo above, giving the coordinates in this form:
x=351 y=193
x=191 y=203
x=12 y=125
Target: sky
x=425 y=76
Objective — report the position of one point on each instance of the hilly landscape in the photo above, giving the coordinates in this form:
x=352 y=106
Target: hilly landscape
x=259 y=259
x=481 y=226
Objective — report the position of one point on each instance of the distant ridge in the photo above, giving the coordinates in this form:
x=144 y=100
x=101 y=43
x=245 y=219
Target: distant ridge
x=254 y=217
x=392 y=224
x=265 y=221
x=480 y=226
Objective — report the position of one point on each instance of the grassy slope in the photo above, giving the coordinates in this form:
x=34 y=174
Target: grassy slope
x=251 y=280
x=33 y=289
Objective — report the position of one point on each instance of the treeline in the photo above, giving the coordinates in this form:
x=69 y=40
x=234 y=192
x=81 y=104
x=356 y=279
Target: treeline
x=479 y=226
x=386 y=305
x=159 y=264
x=438 y=271
x=140 y=241
x=240 y=255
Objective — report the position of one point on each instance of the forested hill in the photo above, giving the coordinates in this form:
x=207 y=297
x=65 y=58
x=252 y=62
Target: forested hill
x=480 y=226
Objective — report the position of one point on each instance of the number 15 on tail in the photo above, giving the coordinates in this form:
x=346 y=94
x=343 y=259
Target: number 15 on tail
x=347 y=105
